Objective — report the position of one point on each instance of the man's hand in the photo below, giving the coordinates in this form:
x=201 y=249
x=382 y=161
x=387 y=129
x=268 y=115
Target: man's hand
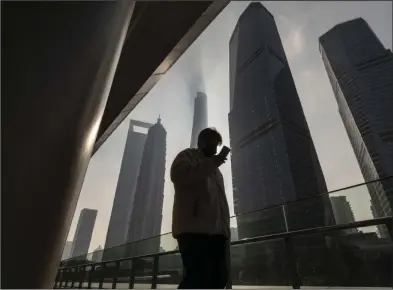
x=218 y=160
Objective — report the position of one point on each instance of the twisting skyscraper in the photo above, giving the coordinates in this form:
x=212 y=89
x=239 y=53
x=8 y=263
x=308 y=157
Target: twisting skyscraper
x=146 y=215
x=360 y=70
x=200 y=118
x=125 y=190
x=273 y=156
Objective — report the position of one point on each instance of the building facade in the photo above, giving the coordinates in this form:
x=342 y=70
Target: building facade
x=273 y=156
x=146 y=215
x=200 y=118
x=83 y=233
x=360 y=72
x=126 y=184
x=67 y=250
x=343 y=213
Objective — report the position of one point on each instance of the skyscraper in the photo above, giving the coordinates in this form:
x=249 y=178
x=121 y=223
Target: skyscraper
x=200 y=118
x=125 y=190
x=360 y=72
x=67 y=250
x=146 y=215
x=83 y=233
x=343 y=213
x=273 y=156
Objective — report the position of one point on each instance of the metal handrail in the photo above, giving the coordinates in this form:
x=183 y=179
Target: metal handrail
x=287 y=236
x=254 y=211
x=318 y=230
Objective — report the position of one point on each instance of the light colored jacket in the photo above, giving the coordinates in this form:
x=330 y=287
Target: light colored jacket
x=200 y=204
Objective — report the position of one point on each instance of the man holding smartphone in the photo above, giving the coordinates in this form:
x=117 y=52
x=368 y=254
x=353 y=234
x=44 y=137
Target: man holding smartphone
x=201 y=213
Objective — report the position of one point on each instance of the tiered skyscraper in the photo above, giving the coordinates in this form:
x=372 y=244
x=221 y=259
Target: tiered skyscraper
x=146 y=215
x=83 y=233
x=125 y=190
x=273 y=156
x=360 y=70
x=343 y=213
x=200 y=118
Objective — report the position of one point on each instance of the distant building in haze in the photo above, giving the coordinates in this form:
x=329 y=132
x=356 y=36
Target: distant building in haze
x=274 y=160
x=97 y=254
x=67 y=250
x=200 y=118
x=83 y=233
x=360 y=70
x=343 y=213
x=125 y=190
x=146 y=215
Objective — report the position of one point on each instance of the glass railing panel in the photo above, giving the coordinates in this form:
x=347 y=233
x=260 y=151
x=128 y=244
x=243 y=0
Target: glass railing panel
x=260 y=264
x=144 y=247
x=96 y=256
x=170 y=271
x=114 y=253
x=260 y=223
x=339 y=207
x=356 y=258
x=311 y=213
x=168 y=243
x=148 y=246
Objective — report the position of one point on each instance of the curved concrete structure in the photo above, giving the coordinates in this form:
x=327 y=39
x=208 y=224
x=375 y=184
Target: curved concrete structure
x=59 y=80
x=161 y=42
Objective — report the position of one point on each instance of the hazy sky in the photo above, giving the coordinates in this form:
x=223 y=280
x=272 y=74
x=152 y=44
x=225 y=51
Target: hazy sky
x=205 y=67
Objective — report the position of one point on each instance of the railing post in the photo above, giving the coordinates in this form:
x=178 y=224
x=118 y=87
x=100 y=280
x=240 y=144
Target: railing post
x=61 y=278
x=132 y=275
x=155 y=272
x=116 y=273
x=82 y=276
x=73 y=270
x=66 y=277
x=296 y=282
x=102 y=276
x=91 y=276
x=57 y=279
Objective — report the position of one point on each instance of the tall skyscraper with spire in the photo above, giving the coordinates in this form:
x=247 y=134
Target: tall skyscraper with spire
x=360 y=70
x=125 y=190
x=200 y=118
x=146 y=215
x=274 y=160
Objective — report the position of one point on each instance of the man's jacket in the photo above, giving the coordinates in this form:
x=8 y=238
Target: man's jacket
x=200 y=204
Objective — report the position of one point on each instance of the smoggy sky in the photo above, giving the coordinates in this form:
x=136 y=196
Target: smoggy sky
x=205 y=67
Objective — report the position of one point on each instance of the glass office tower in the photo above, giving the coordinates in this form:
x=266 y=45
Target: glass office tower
x=273 y=156
x=360 y=70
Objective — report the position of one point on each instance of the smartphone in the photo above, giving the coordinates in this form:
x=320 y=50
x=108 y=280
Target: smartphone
x=225 y=151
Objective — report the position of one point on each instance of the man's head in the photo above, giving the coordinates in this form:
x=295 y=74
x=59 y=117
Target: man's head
x=208 y=140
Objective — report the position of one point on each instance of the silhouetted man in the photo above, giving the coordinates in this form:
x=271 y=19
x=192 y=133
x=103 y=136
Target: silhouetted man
x=201 y=214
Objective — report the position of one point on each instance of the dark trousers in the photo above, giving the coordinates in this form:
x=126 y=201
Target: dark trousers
x=205 y=261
